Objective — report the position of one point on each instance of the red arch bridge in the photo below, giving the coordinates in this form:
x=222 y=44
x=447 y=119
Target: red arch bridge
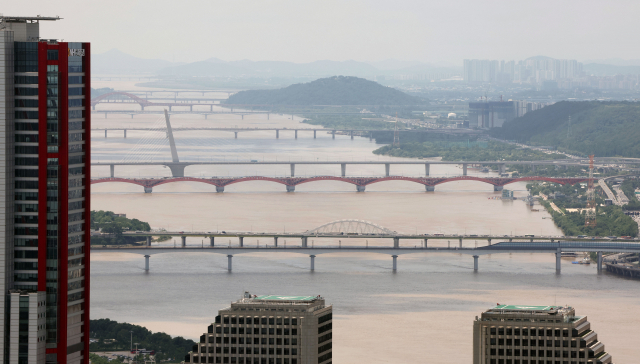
x=360 y=182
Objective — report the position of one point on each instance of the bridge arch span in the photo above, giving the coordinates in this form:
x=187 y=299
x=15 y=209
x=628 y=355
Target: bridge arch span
x=350 y=226
x=141 y=101
x=115 y=179
x=254 y=178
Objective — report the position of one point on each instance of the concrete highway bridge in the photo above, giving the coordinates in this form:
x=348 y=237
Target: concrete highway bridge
x=349 y=229
x=120 y=97
x=360 y=182
x=177 y=92
x=177 y=168
x=333 y=132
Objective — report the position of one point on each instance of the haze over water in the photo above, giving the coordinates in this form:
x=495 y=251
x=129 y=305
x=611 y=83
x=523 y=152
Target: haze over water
x=422 y=313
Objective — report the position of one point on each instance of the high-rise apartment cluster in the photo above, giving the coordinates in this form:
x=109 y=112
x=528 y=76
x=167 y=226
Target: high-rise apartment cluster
x=533 y=70
x=44 y=194
x=494 y=114
x=268 y=330
x=509 y=334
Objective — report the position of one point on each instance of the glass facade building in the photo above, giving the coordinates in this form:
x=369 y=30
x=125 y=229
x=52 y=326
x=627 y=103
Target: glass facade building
x=45 y=195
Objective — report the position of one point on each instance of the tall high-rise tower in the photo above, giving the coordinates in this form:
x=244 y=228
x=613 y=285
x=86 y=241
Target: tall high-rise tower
x=590 y=211
x=44 y=195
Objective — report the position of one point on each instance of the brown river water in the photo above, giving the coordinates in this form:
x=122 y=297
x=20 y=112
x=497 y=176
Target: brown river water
x=422 y=313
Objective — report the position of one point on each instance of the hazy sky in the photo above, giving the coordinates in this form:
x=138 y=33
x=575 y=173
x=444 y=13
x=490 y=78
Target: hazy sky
x=371 y=30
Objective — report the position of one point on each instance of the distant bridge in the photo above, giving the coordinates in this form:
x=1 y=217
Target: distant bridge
x=512 y=247
x=348 y=229
x=359 y=182
x=109 y=98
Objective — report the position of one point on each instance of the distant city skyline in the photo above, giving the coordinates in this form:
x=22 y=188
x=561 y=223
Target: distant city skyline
x=286 y=30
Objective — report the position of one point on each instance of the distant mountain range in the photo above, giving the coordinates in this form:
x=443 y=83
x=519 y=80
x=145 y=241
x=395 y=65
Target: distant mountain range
x=337 y=90
x=117 y=62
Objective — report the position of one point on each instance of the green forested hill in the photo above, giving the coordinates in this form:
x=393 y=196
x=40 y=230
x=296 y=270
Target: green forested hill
x=115 y=336
x=605 y=129
x=338 y=90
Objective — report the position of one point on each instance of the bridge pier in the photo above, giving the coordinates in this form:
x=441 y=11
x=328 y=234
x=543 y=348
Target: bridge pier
x=112 y=169
x=132 y=116
x=395 y=263
x=304 y=241
x=212 y=240
x=396 y=243
x=148 y=189
x=125 y=133
x=275 y=241
x=430 y=188
x=177 y=170
x=146 y=263
x=599 y=262
x=219 y=189
x=370 y=136
x=105 y=115
x=360 y=188
x=313 y=258
x=148 y=240
x=184 y=241
x=489 y=240
x=533 y=168
x=210 y=109
x=427 y=167
x=503 y=169
x=291 y=188
x=105 y=131
x=293 y=169
x=343 y=167
x=333 y=134
x=351 y=134
x=241 y=241
x=242 y=116
x=464 y=169
x=229 y=262
x=558 y=261
x=314 y=134
x=497 y=188
x=277 y=134
x=387 y=168
x=475 y=263
x=296 y=134
x=460 y=242
x=236 y=134
x=425 y=243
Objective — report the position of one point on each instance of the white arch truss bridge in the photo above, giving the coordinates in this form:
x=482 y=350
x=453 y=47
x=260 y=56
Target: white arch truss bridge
x=359 y=227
